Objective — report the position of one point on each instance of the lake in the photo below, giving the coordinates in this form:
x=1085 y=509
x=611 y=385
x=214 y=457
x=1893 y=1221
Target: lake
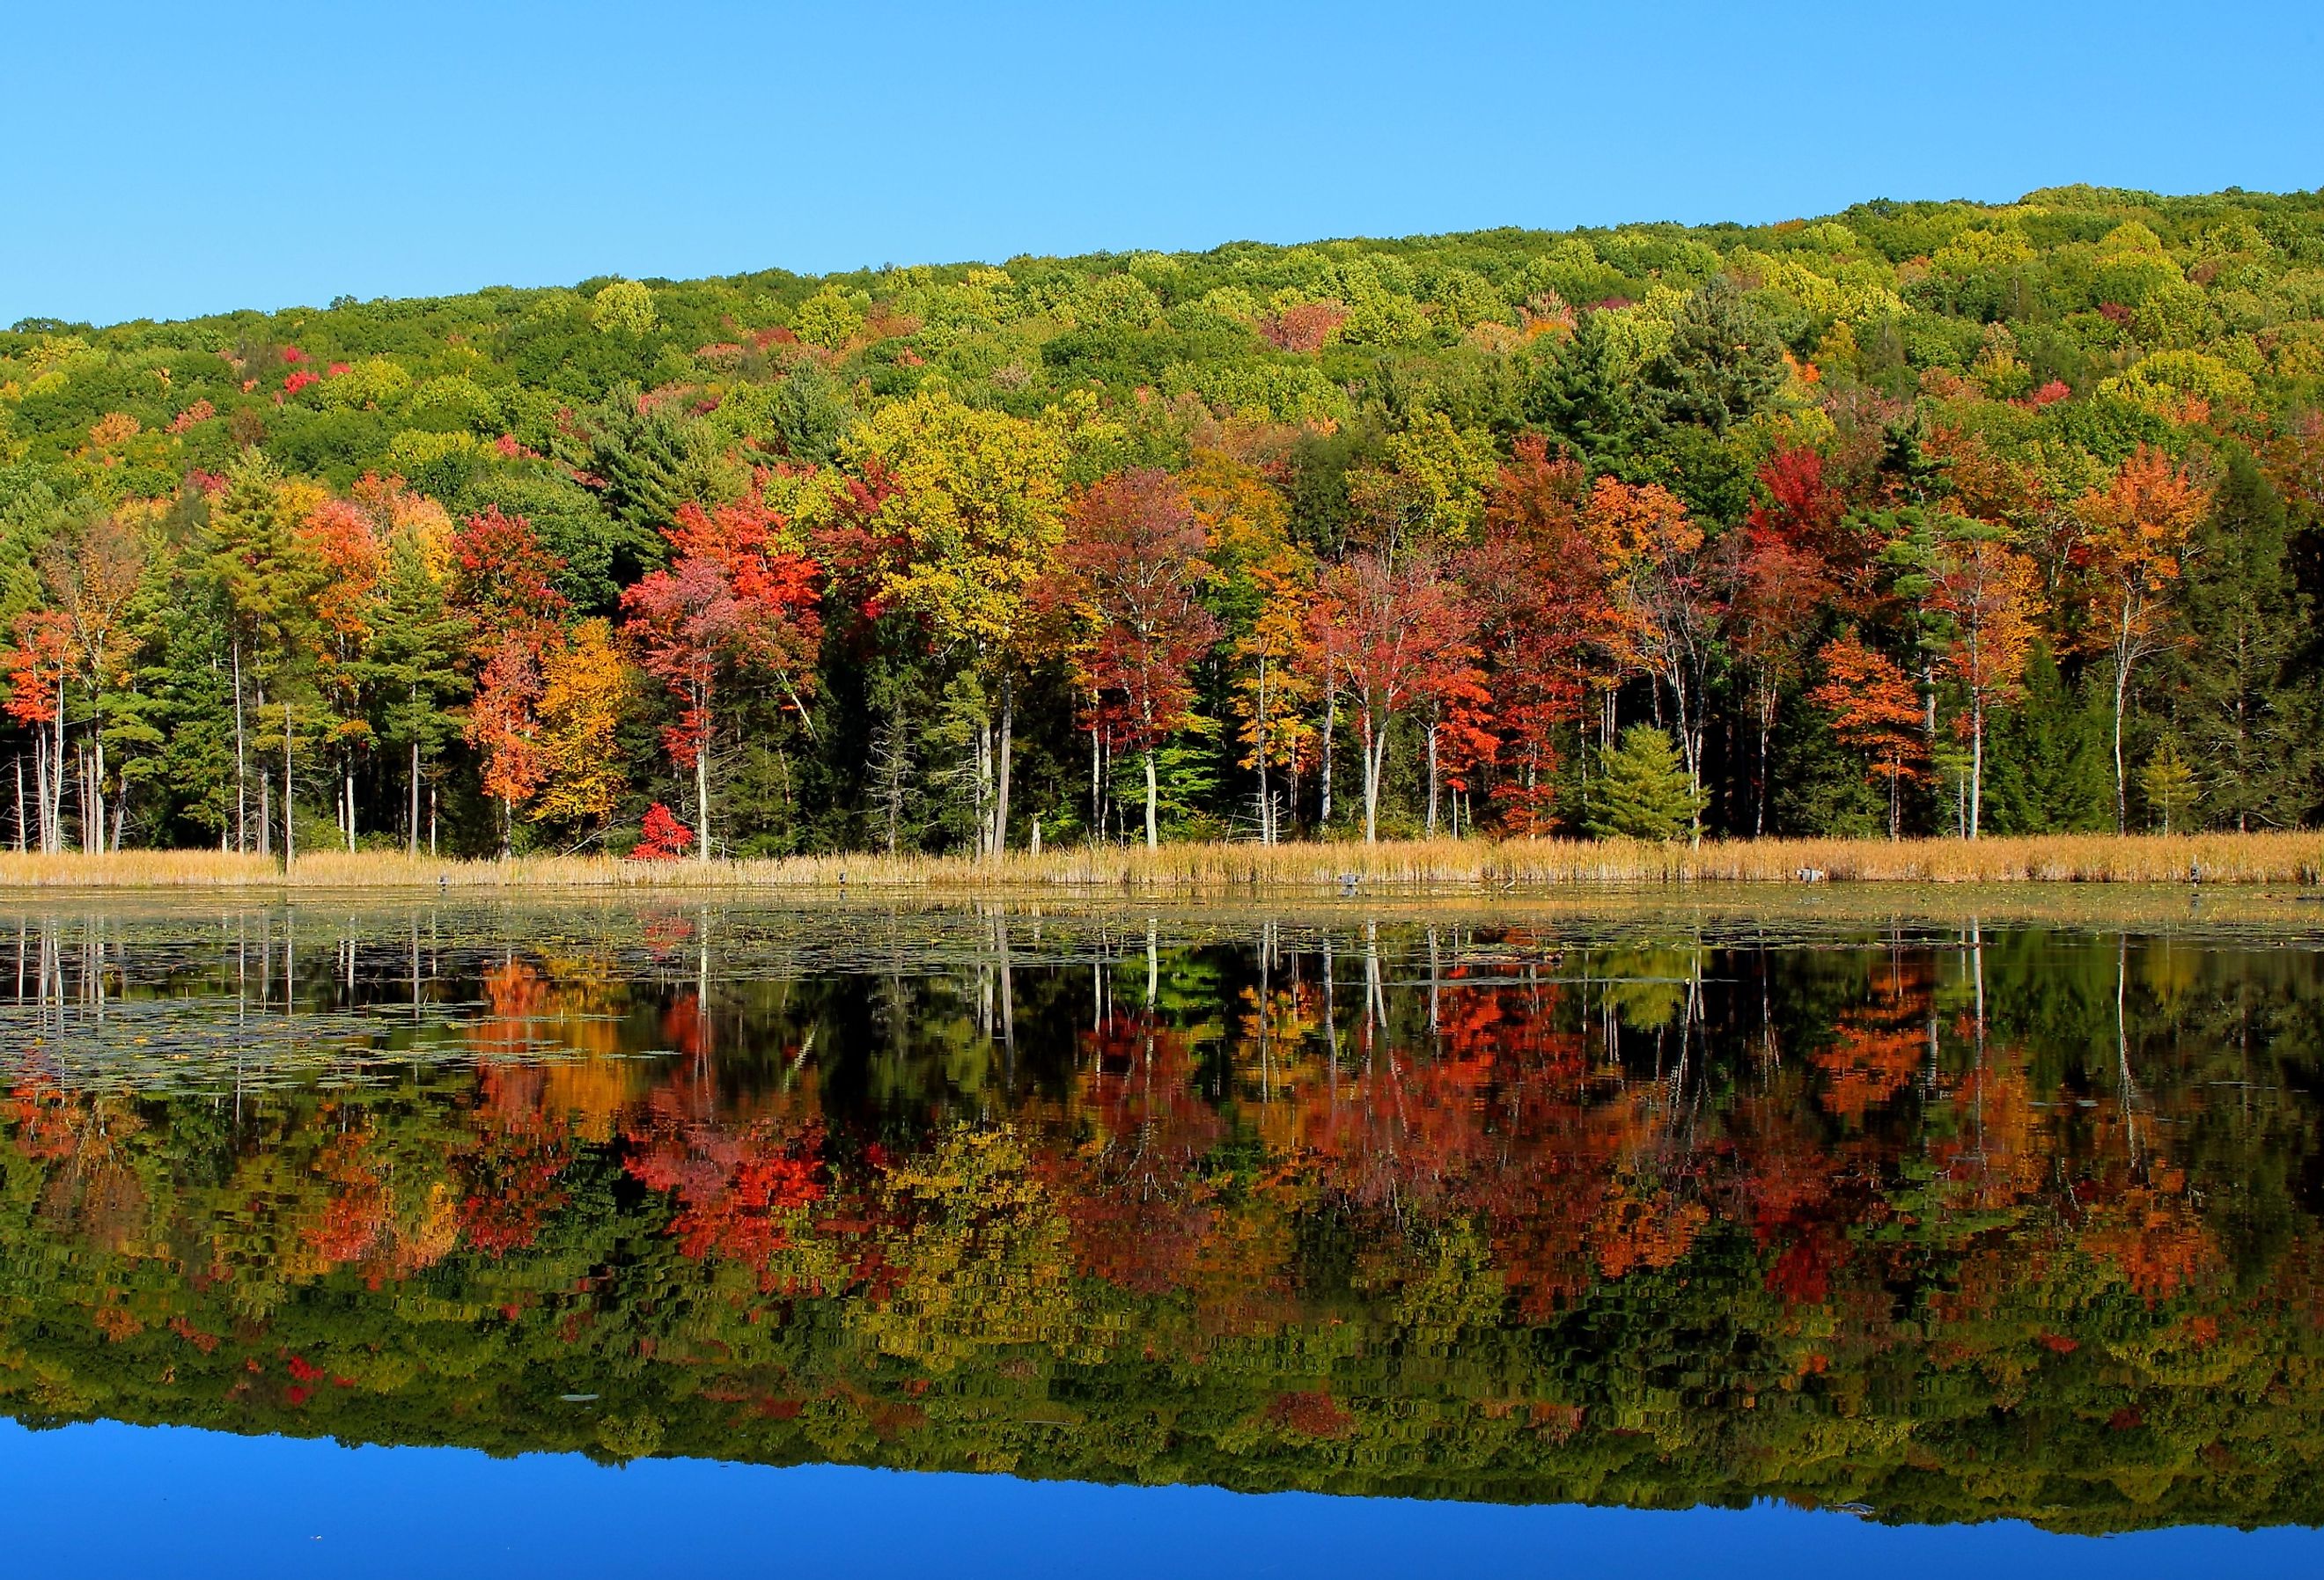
x=1023 y=1237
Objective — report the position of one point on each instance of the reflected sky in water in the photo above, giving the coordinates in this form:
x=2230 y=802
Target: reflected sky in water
x=108 y=1499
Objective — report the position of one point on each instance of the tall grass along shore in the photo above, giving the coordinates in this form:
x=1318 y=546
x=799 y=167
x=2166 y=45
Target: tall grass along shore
x=1472 y=864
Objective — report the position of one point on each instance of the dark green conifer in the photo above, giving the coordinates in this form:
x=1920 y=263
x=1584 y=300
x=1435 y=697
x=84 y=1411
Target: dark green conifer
x=1643 y=792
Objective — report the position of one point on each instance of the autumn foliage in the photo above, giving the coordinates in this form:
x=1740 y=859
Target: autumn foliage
x=1269 y=544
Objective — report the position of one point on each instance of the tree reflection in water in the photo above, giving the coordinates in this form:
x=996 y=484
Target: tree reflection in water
x=1946 y=1222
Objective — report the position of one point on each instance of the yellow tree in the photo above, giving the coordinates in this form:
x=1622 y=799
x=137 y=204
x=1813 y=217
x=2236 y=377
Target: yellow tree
x=1664 y=613
x=585 y=689
x=1430 y=486
x=1267 y=583
x=93 y=575
x=2138 y=524
x=1987 y=593
x=1277 y=685
x=1243 y=516
x=974 y=507
x=345 y=537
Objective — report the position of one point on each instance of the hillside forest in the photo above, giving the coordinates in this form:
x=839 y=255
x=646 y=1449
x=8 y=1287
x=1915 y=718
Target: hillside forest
x=1920 y=519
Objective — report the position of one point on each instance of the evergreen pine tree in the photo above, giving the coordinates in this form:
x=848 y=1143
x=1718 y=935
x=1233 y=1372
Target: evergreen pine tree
x=1643 y=792
x=2046 y=768
x=140 y=717
x=186 y=696
x=2249 y=726
x=413 y=669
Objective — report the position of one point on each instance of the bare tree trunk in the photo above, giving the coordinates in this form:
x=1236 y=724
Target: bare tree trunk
x=701 y=799
x=2121 y=688
x=1097 y=802
x=1976 y=768
x=1766 y=724
x=1003 y=751
x=56 y=768
x=241 y=760
x=289 y=835
x=1689 y=741
x=266 y=787
x=1432 y=779
x=983 y=780
x=1330 y=720
x=1153 y=838
x=889 y=764
x=97 y=771
x=411 y=845
x=1266 y=806
x=1375 y=749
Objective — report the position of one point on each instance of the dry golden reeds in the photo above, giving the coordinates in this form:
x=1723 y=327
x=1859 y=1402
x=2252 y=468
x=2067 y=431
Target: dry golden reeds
x=1408 y=864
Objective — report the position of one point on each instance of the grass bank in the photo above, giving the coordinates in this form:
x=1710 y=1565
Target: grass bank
x=1442 y=864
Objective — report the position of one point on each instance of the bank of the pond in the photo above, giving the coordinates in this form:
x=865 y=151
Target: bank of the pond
x=1472 y=866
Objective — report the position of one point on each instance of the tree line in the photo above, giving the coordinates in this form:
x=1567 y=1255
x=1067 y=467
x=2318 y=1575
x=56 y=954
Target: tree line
x=1920 y=519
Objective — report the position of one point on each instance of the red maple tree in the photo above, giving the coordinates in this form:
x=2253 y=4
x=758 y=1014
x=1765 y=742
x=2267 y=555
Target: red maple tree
x=735 y=607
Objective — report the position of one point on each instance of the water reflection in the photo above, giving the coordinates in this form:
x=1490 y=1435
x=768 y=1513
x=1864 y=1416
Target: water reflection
x=1935 y=1223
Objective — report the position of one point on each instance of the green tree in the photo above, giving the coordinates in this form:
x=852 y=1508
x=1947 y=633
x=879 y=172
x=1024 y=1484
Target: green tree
x=2249 y=718
x=624 y=307
x=266 y=579
x=1721 y=364
x=186 y=696
x=2047 y=771
x=1643 y=791
x=414 y=668
x=977 y=508
x=810 y=414
x=139 y=723
x=648 y=457
x=573 y=526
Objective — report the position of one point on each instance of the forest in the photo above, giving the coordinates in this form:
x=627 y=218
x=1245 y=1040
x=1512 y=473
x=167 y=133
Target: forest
x=2019 y=1225
x=1921 y=519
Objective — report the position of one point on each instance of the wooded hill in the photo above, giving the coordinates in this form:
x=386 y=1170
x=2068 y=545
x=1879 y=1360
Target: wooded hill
x=1922 y=517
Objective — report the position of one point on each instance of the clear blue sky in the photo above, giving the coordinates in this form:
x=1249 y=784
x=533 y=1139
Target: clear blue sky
x=164 y=160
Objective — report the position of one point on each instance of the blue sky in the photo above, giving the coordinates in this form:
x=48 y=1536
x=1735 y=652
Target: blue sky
x=164 y=160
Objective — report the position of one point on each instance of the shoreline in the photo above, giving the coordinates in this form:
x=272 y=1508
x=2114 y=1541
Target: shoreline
x=1472 y=867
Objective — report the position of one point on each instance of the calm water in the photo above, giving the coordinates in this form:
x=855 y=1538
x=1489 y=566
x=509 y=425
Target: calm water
x=585 y=1238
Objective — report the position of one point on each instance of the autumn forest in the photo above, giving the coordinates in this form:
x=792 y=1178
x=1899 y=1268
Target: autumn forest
x=1921 y=519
